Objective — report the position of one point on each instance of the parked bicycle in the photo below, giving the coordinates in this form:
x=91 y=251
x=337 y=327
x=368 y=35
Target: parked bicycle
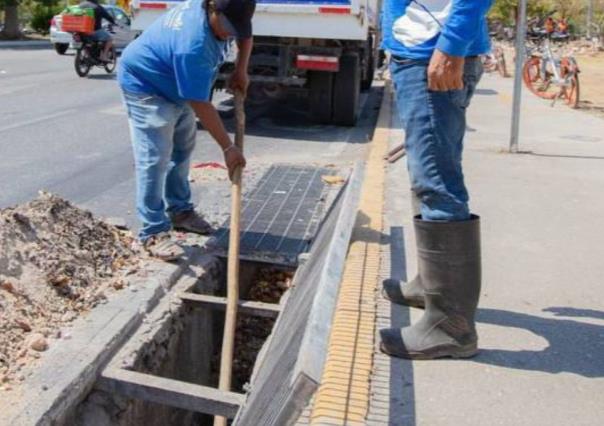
x=547 y=75
x=495 y=61
x=88 y=55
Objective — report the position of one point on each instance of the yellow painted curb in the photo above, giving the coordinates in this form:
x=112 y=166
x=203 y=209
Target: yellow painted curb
x=343 y=396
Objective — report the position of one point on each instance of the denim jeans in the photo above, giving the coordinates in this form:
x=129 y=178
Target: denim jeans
x=163 y=138
x=435 y=124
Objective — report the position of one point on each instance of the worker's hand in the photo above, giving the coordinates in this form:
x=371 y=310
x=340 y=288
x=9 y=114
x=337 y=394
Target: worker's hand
x=233 y=157
x=239 y=81
x=445 y=72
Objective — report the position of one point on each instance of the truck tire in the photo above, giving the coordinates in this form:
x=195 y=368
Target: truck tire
x=320 y=96
x=346 y=91
x=370 y=66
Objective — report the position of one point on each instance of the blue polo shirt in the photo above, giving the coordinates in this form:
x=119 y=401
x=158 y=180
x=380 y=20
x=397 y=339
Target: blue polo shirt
x=176 y=58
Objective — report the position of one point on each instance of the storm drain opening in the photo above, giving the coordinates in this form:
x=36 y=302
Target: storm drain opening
x=179 y=345
x=167 y=373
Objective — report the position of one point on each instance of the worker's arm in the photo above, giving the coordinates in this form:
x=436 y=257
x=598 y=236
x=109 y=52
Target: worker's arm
x=211 y=121
x=463 y=26
x=239 y=80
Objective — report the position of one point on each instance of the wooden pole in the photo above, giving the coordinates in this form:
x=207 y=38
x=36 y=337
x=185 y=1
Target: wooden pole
x=230 y=321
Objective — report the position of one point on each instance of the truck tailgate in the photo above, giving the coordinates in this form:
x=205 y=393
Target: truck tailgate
x=326 y=19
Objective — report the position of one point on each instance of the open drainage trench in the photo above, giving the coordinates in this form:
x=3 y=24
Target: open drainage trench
x=183 y=342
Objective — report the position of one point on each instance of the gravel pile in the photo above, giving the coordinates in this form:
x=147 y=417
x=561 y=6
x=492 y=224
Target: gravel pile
x=56 y=262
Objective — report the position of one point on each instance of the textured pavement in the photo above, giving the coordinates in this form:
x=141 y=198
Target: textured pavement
x=541 y=317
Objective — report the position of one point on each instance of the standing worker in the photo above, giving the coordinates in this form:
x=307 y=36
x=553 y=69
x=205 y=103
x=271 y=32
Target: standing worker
x=166 y=76
x=434 y=46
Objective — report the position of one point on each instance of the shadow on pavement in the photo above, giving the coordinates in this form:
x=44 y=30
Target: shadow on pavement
x=574 y=157
x=575 y=312
x=402 y=381
x=489 y=92
x=574 y=347
x=290 y=119
x=102 y=76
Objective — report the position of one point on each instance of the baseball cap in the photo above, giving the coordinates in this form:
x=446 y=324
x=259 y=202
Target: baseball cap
x=238 y=14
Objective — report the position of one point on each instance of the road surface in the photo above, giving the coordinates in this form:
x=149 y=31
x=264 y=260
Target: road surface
x=69 y=135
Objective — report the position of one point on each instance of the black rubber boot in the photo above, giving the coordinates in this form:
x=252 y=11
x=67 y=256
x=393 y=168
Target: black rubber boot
x=449 y=267
x=408 y=293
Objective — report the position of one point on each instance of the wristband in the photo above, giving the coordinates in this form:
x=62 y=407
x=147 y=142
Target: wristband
x=228 y=148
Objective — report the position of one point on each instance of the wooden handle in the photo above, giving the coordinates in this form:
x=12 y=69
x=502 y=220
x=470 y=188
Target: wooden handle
x=230 y=320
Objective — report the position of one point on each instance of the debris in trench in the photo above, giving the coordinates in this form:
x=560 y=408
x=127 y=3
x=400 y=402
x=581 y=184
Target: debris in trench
x=209 y=165
x=268 y=286
x=208 y=172
x=333 y=179
x=56 y=262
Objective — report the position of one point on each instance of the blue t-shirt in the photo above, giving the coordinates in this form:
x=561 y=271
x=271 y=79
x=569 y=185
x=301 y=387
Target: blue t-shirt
x=177 y=57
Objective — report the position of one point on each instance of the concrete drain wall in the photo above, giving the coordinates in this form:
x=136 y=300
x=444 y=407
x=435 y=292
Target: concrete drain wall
x=182 y=342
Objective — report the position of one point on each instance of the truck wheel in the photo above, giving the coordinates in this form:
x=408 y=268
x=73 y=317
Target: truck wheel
x=320 y=96
x=346 y=91
x=370 y=71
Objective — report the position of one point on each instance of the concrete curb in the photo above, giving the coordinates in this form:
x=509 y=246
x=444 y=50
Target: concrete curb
x=26 y=44
x=69 y=371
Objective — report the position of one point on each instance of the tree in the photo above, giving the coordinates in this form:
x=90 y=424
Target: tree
x=16 y=10
x=11 y=19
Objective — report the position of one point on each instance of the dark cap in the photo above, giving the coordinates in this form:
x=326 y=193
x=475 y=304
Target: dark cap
x=239 y=13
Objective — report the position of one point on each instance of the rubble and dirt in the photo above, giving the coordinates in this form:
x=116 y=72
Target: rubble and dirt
x=268 y=286
x=56 y=263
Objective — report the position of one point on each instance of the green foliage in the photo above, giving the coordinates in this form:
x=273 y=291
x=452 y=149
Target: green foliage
x=505 y=10
x=41 y=16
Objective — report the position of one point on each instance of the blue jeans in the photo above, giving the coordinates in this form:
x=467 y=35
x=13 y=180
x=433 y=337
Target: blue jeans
x=101 y=35
x=163 y=138
x=435 y=124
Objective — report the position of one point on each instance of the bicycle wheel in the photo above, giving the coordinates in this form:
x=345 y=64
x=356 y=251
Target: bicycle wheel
x=81 y=63
x=488 y=64
x=110 y=66
x=500 y=59
x=536 y=81
x=570 y=72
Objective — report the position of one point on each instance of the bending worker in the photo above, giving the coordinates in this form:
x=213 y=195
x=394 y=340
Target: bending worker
x=434 y=45
x=166 y=76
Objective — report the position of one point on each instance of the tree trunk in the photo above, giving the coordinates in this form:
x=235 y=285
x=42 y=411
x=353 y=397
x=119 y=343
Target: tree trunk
x=11 y=20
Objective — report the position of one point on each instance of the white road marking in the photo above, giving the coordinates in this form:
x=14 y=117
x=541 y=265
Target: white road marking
x=37 y=120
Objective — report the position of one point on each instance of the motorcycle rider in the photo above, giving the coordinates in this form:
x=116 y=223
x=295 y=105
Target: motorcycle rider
x=100 y=34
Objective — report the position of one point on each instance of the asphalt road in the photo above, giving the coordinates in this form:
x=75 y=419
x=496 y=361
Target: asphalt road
x=69 y=135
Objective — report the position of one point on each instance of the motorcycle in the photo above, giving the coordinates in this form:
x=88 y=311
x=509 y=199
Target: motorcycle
x=88 y=55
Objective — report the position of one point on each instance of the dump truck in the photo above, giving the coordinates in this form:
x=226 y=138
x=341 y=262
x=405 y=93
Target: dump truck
x=326 y=50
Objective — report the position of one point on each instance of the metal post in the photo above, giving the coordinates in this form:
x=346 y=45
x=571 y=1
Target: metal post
x=520 y=52
x=590 y=12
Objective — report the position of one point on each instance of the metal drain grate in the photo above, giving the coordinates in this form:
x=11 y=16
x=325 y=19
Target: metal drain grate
x=281 y=214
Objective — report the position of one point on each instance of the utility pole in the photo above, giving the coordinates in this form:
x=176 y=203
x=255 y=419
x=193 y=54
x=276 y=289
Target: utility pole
x=520 y=52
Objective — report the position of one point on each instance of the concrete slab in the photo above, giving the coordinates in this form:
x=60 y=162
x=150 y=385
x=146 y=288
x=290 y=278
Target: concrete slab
x=541 y=321
x=69 y=370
